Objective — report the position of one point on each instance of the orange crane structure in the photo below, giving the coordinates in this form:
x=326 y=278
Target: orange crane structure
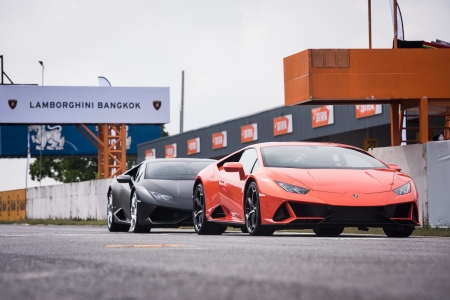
x=112 y=148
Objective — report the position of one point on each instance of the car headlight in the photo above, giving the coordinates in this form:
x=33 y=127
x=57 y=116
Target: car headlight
x=404 y=189
x=159 y=196
x=292 y=188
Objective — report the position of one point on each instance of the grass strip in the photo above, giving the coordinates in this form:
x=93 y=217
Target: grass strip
x=56 y=222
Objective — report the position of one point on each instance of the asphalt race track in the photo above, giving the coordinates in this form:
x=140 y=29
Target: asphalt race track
x=84 y=262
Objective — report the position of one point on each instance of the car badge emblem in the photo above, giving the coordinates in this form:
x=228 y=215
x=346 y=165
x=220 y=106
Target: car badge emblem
x=12 y=103
x=156 y=104
x=355 y=195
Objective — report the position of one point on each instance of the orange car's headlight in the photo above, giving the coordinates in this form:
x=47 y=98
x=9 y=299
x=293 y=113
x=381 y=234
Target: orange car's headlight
x=292 y=188
x=403 y=190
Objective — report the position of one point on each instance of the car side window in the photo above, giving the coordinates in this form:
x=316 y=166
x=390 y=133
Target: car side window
x=249 y=160
x=234 y=158
x=140 y=173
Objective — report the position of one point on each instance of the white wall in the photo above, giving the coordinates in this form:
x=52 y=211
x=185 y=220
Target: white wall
x=429 y=166
x=79 y=200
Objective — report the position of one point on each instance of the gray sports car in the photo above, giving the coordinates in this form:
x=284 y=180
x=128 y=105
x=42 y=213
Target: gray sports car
x=155 y=193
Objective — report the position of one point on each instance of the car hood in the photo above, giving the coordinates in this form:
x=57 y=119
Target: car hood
x=174 y=188
x=343 y=180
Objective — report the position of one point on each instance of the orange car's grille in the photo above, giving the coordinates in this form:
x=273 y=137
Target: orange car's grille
x=405 y=213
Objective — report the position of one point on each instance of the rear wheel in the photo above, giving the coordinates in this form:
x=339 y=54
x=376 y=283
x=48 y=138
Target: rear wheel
x=405 y=232
x=328 y=231
x=201 y=225
x=253 y=213
x=135 y=226
x=112 y=225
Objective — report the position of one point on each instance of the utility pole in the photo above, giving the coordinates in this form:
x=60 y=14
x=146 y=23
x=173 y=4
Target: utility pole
x=1 y=57
x=395 y=24
x=182 y=102
x=42 y=129
x=42 y=64
x=370 y=24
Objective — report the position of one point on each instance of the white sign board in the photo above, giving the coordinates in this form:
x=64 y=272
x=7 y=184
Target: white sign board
x=27 y=104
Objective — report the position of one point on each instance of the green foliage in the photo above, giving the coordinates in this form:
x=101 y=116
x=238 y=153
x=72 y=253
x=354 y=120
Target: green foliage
x=164 y=132
x=71 y=169
x=66 y=169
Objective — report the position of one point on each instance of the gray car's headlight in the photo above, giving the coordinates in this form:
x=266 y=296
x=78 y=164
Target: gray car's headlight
x=159 y=196
x=404 y=189
x=292 y=188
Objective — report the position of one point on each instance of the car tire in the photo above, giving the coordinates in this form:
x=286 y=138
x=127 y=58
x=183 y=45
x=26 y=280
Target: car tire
x=328 y=231
x=201 y=225
x=252 y=213
x=402 y=233
x=244 y=229
x=135 y=226
x=112 y=225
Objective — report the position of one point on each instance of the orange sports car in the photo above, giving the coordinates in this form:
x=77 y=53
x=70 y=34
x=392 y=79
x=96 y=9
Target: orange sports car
x=298 y=185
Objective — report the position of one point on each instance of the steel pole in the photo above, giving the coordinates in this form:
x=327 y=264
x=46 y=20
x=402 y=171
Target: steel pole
x=395 y=24
x=182 y=102
x=1 y=56
x=370 y=24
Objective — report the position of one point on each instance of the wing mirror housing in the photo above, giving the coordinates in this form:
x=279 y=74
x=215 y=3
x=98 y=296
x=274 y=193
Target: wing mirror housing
x=234 y=167
x=123 y=178
x=395 y=167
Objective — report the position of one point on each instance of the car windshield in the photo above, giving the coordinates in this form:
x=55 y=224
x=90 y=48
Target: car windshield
x=176 y=170
x=318 y=157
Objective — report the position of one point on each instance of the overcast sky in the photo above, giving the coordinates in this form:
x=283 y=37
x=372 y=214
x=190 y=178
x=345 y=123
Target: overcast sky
x=231 y=51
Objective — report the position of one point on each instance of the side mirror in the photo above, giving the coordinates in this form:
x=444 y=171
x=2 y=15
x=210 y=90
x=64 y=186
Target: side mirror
x=234 y=167
x=395 y=167
x=123 y=178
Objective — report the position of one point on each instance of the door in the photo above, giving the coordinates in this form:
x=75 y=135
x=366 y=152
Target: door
x=232 y=185
x=125 y=190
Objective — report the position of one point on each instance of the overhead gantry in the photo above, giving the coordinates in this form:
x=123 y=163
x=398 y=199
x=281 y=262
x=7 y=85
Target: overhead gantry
x=406 y=79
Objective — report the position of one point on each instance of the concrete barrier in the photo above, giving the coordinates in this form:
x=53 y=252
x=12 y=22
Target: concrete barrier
x=78 y=200
x=429 y=166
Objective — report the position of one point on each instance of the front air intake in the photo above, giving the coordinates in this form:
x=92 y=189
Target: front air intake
x=281 y=214
x=218 y=212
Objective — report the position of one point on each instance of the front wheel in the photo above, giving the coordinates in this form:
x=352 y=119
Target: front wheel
x=112 y=225
x=253 y=213
x=135 y=226
x=201 y=225
x=402 y=233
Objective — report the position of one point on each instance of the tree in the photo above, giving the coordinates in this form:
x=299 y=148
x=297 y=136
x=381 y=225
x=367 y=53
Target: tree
x=74 y=169
x=71 y=169
x=163 y=131
x=66 y=169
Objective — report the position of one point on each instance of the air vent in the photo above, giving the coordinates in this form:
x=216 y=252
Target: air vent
x=218 y=212
x=281 y=214
x=169 y=215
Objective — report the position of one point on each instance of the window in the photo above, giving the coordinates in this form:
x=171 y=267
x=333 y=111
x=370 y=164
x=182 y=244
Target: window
x=318 y=157
x=175 y=170
x=140 y=173
x=248 y=159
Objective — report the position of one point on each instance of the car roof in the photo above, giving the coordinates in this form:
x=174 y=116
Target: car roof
x=156 y=160
x=271 y=144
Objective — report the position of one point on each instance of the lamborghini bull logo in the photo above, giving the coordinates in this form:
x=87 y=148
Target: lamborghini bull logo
x=50 y=139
